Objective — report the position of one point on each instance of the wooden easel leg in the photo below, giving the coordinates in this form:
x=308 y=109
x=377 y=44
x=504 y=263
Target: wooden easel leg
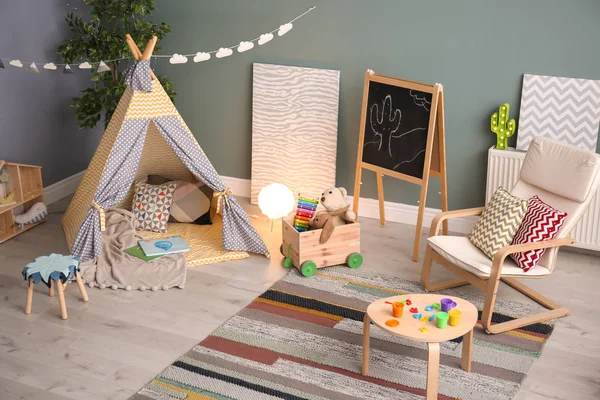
x=61 y=299
x=82 y=290
x=441 y=136
x=51 y=289
x=366 y=344
x=419 y=228
x=433 y=371
x=381 y=200
x=444 y=190
x=357 y=189
x=29 y=299
x=467 y=351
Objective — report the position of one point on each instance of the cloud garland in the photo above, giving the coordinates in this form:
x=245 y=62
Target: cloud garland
x=101 y=66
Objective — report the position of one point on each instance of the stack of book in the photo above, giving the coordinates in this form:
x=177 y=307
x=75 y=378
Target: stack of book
x=150 y=250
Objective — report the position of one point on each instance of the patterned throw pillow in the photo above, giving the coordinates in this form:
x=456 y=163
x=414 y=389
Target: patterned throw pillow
x=541 y=222
x=152 y=205
x=499 y=222
x=191 y=201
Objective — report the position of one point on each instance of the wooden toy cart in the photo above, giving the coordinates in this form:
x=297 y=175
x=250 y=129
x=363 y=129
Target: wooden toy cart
x=303 y=250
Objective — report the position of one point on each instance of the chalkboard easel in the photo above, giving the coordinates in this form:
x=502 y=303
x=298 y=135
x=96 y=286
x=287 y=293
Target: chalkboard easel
x=402 y=135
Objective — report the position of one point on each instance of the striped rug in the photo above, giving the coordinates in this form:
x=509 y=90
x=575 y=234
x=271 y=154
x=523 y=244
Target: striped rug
x=302 y=339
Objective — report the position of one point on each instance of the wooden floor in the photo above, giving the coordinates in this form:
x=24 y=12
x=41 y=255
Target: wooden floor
x=110 y=347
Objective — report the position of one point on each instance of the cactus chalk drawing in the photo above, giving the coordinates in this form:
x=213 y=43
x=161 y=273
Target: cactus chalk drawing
x=502 y=126
x=402 y=136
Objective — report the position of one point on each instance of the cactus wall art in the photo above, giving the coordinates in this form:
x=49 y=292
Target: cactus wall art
x=502 y=126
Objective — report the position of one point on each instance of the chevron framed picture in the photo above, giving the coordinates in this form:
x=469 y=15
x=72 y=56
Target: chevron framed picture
x=565 y=109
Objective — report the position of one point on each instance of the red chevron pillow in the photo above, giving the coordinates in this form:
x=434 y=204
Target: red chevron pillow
x=541 y=222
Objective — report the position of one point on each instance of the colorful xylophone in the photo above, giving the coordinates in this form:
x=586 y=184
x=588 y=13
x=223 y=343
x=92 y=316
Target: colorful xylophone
x=304 y=212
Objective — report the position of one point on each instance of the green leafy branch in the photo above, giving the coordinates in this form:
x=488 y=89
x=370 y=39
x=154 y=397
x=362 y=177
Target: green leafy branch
x=102 y=37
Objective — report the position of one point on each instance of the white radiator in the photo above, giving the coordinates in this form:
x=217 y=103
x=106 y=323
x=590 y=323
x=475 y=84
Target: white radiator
x=503 y=170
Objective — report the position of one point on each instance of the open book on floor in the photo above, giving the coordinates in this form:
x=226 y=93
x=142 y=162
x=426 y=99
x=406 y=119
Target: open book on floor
x=158 y=247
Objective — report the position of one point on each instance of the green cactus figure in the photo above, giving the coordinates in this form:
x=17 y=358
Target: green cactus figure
x=502 y=127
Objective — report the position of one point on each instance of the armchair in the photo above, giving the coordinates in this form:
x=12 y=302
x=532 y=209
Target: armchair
x=564 y=177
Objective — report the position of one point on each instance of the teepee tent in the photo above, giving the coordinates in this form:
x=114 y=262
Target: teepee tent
x=146 y=135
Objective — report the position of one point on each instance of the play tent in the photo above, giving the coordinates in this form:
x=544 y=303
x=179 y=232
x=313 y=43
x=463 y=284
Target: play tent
x=146 y=135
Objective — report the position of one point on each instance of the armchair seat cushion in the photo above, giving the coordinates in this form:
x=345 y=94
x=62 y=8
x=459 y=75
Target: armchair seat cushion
x=459 y=251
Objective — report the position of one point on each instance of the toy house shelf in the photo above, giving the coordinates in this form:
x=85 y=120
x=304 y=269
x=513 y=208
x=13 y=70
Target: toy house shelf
x=25 y=184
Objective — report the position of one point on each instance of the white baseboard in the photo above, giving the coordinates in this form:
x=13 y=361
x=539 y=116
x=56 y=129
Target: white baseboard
x=369 y=208
x=62 y=189
x=239 y=187
x=407 y=214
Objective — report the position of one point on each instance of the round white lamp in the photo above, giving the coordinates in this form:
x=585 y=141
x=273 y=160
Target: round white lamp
x=276 y=201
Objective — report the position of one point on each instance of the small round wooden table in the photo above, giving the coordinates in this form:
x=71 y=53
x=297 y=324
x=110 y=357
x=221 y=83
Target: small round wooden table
x=409 y=328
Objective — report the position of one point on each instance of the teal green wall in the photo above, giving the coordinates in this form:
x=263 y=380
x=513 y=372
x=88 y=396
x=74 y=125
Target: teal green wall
x=479 y=50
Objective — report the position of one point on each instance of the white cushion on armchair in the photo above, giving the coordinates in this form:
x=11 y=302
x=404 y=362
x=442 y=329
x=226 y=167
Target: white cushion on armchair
x=459 y=251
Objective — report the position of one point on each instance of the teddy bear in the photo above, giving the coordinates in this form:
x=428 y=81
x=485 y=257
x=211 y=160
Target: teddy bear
x=324 y=221
x=333 y=199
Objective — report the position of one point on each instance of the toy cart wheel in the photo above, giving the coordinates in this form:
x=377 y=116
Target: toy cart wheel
x=287 y=261
x=309 y=268
x=354 y=260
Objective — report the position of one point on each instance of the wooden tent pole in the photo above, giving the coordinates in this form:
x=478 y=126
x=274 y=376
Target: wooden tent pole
x=149 y=48
x=133 y=47
x=137 y=54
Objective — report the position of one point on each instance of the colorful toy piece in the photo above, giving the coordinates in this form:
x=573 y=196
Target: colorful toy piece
x=397 y=309
x=424 y=329
x=414 y=310
x=437 y=306
x=502 y=127
x=417 y=316
x=392 y=323
x=447 y=304
x=408 y=302
x=304 y=212
x=441 y=319
x=431 y=317
x=454 y=317
x=429 y=308
x=424 y=318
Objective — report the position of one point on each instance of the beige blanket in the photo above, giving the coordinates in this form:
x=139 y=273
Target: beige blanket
x=118 y=270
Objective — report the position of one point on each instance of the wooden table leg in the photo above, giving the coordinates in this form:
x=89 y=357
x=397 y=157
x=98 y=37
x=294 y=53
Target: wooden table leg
x=433 y=370
x=61 y=299
x=84 y=294
x=51 y=289
x=29 y=299
x=467 y=351
x=366 y=344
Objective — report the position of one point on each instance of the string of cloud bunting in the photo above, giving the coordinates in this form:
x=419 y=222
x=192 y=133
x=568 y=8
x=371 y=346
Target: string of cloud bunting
x=102 y=65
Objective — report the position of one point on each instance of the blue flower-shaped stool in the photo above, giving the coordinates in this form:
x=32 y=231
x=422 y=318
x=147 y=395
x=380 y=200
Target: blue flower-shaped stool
x=54 y=270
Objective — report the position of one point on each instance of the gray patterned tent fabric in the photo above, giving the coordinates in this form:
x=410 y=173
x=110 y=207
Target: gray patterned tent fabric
x=120 y=171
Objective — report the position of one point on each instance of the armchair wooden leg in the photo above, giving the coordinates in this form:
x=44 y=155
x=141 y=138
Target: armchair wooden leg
x=426 y=269
x=426 y=273
x=490 y=300
x=556 y=311
x=51 y=289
